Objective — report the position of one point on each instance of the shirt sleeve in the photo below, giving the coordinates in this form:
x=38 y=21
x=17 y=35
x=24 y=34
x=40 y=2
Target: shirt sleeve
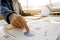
x=5 y=13
x=4 y=10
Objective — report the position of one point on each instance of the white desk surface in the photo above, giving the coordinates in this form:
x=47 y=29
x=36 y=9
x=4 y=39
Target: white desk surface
x=43 y=29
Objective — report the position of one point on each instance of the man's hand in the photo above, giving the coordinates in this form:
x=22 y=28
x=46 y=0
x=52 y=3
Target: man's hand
x=18 y=21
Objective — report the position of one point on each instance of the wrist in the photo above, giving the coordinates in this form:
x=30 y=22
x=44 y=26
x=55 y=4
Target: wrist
x=11 y=16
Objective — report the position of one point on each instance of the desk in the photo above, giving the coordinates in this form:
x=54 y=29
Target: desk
x=43 y=29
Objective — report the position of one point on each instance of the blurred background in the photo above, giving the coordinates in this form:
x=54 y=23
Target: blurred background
x=44 y=13
x=33 y=7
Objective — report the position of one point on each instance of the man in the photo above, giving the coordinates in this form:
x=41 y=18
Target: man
x=10 y=10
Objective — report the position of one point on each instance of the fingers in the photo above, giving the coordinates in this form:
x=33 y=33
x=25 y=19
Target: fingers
x=14 y=24
x=20 y=22
x=24 y=20
x=27 y=28
x=24 y=24
x=17 y=24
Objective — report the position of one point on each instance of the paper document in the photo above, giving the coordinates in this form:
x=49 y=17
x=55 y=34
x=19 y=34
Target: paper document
x=39 y=30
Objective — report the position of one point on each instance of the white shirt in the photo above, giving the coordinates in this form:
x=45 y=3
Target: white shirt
x=16 y=6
